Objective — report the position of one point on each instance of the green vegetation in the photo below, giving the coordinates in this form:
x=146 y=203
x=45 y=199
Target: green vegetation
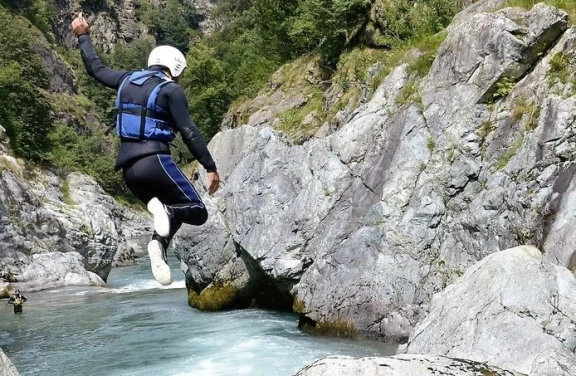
x=409 y=91
x=292 y=121
x=337 y=327
x=431 y=144
x=559 y=64
x=333 y=30
x=486 y=128
x=171 y=23
x=232 y=65
x=401 y=21
x=561 y=71
x=298 y=306
x=503 y=87
x=65 y=190
x=26 y=112
x=39 y=12
x=8 y=165
x=510 y=152
x=529 y=111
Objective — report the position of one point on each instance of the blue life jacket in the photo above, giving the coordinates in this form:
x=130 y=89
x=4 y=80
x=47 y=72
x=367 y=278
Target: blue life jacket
x=138 y=115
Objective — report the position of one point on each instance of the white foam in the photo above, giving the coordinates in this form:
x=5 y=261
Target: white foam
x=144 y=285
x=150 y=284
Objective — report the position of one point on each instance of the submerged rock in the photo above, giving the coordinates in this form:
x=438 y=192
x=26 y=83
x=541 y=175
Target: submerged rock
x=513 y=309
x=401 y=365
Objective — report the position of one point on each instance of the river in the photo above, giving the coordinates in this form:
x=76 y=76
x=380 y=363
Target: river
x=136 y=327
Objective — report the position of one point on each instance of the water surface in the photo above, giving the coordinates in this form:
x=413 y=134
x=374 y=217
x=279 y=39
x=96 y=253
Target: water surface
x=137 y=327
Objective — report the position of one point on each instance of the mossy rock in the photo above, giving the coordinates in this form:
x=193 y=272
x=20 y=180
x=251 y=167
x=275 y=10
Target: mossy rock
x=299 y=306
x=337 y=328
x=215 y=297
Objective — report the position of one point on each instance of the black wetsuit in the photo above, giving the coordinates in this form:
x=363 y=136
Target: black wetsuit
x=148 y=168
x=17 y=301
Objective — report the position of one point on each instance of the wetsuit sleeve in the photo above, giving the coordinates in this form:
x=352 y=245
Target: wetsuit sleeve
x=94 y=66
x=178 y=106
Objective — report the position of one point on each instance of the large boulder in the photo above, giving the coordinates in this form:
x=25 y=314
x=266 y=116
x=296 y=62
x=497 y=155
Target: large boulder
x=6 y=366
x=56 y=232
x=513 y=309
x=364 y=226
x=401 y=365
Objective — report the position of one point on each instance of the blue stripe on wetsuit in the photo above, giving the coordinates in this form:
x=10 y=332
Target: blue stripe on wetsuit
x=179 y=179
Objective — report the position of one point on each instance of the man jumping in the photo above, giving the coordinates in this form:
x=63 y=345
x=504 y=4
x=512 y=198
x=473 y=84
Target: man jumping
x=151 y=108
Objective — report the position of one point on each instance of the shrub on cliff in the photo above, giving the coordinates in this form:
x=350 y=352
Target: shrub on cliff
x=25 y=112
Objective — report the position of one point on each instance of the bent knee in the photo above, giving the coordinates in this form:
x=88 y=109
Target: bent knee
x=200 y=217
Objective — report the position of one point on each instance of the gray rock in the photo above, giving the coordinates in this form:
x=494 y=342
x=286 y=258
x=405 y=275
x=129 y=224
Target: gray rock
x=4 y=289
x=364 y=225
x=6 y=366
x=107 y=27
x=219 y=273
x=61 y=76
x=401 y=365
x=205 y=18
x=125 y=256
x=57 y=233
x=513 y=309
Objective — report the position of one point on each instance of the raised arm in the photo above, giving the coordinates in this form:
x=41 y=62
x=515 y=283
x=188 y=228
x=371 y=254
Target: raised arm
x=94 y=66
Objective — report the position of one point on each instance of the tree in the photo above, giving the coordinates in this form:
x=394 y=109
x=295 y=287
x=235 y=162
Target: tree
x=328 y=24
x=206 y=88
x=26 y=113
x=171 y=24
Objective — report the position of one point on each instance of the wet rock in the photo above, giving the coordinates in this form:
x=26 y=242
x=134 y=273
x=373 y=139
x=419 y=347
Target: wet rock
x=401 y=365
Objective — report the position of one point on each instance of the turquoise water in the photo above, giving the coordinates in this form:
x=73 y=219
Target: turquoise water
x=137 y=327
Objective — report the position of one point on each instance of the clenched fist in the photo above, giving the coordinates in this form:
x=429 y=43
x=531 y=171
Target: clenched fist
x=80 y=26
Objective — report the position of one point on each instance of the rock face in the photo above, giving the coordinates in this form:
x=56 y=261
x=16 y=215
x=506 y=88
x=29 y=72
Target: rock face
x=109 y=23
x=56 y=233
x=401 y=365
x=6 y=366
x=113 y=22
x=513 y=309
x=363 y=226
x=206 y=22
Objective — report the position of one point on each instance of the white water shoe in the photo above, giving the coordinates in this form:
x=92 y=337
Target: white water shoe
x=161 y=217
x=160 y=268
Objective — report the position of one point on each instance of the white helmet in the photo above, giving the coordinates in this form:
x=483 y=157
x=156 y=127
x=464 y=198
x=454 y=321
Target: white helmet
x=169 y=57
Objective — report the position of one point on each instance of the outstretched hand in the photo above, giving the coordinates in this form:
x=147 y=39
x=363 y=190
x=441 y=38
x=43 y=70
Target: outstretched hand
x=213 y=182
x=80 y=25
